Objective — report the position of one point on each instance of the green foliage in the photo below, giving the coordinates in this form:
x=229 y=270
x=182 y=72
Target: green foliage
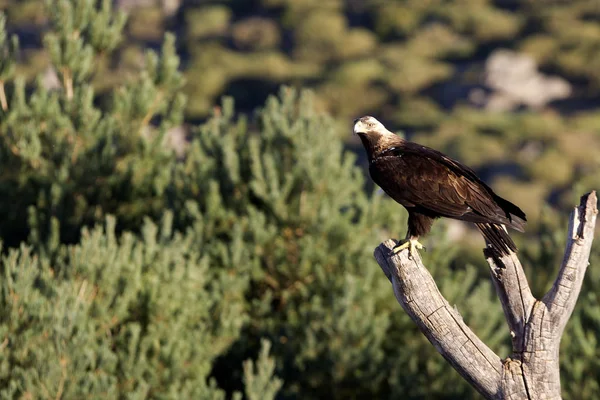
x=123 y=317
x=258 y=377
x=75 y=161
x=81 y=31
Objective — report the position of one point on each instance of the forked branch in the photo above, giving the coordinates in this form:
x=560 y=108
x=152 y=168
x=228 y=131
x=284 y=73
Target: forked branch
x=532 y=372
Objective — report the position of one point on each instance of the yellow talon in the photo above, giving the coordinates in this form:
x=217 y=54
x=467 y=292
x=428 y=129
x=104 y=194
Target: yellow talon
x=411 y=244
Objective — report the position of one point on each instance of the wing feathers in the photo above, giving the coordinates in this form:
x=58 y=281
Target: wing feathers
x=415 y=175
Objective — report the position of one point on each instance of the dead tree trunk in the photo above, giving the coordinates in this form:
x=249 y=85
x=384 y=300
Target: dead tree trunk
x=536 y=326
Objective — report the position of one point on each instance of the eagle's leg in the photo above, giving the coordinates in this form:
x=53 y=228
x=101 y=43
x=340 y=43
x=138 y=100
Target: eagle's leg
x=418 y=225
x=410 y=243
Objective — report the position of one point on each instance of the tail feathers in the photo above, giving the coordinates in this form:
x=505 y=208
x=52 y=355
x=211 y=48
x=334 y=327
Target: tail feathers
x=517 y=223
x=497 y=236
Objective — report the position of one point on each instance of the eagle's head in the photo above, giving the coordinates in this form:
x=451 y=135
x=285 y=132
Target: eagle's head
x=368 y=125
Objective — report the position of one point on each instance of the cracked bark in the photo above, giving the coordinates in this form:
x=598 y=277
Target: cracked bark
x=536 y=326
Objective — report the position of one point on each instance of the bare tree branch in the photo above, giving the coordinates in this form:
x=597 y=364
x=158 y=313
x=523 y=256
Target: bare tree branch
x=532 y=372
x=420 y=297
x=561 y=298
x=514 y=293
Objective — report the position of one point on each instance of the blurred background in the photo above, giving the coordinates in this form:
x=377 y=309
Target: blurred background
x=511 y=88
x=241 y=89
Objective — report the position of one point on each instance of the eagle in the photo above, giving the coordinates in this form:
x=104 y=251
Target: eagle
x=430 y=185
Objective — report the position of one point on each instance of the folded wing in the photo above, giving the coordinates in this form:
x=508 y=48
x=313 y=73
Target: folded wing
x=420 y=177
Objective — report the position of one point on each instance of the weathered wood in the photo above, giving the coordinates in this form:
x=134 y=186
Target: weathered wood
x=532 y=371
x=420 y=297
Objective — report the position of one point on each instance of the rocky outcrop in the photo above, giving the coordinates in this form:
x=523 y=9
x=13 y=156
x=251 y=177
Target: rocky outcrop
x=514 y=81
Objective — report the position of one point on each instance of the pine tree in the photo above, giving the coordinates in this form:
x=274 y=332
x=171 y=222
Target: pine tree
x=115 y=315
x=72 y=156
x=120 y=317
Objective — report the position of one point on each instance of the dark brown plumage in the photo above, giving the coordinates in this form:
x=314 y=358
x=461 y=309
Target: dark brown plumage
x=430 y=185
